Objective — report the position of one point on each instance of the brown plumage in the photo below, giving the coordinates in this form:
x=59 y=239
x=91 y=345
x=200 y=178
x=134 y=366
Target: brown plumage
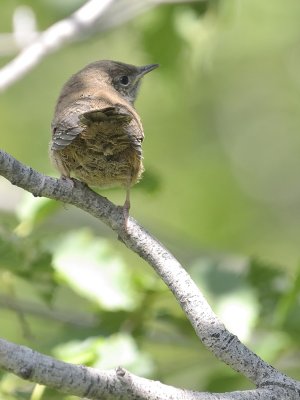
x=96 y=132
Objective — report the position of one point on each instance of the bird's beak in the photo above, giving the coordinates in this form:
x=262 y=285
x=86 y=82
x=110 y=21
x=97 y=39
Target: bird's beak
x=147 y=68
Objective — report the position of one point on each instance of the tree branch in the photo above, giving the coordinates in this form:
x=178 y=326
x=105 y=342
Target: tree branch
x=52 y=39
x=213 y=334
x=94 y=14
x=67 y=317
x=110 y=384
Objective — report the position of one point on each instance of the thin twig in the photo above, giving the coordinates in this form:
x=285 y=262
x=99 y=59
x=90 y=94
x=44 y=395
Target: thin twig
x=95 y=15
x=51 y=40
x=66 y=317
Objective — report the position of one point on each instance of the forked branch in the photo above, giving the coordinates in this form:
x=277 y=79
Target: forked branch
x=213 y=334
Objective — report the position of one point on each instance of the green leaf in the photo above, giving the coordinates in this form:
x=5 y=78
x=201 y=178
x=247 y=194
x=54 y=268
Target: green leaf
x=28 y=259
x=225 y=285
x=25 y=257
x=269 y=282
x=34 y=210
x=91 y=267
x=107 y=352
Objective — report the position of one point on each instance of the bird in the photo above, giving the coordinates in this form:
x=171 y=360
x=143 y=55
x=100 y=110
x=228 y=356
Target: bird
x=97 y=134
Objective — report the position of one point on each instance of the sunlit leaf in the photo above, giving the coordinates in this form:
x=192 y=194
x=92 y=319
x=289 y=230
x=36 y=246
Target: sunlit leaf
x=225 y=284
x=107 y=352
x=33 y=210
x=91 y=267
x=239 y=312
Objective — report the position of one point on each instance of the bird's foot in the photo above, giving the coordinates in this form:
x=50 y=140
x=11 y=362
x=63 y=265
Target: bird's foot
x=126 y=208
x=69 y=181
x=73 y=181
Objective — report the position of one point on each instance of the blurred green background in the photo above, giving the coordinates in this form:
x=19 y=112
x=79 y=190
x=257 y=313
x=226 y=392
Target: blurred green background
x=221 y=190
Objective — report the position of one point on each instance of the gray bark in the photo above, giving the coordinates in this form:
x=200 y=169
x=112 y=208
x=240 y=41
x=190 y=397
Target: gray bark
x=224 y=345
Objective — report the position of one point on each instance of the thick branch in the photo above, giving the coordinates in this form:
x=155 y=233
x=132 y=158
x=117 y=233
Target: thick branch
x=105 y=385
x=209 y=329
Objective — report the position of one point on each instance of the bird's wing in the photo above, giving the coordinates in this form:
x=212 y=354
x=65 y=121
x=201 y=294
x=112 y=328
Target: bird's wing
x=109 y=114
x=67 y=129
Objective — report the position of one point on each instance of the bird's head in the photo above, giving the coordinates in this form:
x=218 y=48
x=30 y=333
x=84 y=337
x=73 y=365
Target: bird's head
x=125 y=78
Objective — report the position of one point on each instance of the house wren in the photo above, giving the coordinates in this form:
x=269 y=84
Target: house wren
x=96 y=132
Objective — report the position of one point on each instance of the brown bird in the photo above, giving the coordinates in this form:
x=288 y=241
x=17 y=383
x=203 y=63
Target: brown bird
x=96 y=132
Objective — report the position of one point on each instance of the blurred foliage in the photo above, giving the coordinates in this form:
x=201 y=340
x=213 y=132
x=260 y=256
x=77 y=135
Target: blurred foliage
x=221 y=190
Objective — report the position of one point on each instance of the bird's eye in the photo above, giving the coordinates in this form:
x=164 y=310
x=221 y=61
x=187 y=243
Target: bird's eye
x=124 y=80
